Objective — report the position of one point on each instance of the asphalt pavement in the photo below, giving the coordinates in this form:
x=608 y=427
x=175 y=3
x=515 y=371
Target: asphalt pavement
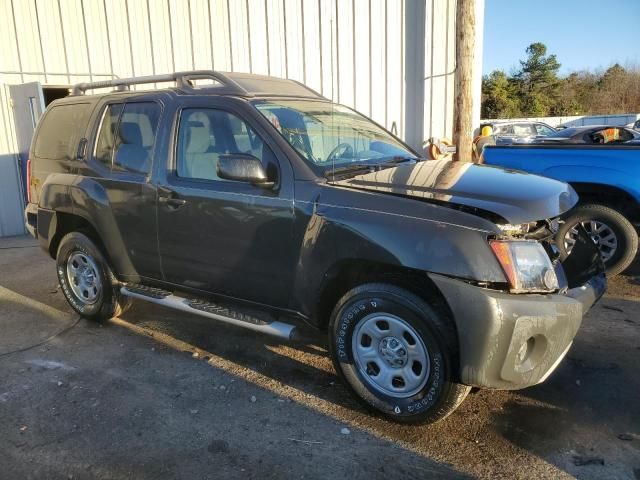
x=162 y=394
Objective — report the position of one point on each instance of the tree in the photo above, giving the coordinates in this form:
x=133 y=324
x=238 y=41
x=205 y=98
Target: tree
x=538 y=80
x=571 y=92
x=499 y=96
x=536 y=89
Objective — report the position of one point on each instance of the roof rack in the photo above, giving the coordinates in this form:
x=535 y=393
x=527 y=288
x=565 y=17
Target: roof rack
x=183 y=80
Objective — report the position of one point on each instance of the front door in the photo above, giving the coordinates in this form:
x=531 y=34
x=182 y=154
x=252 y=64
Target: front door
x=220 y=236
x=28 y=104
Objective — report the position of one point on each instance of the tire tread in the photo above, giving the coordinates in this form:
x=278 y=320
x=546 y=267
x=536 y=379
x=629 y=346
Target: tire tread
x=456 y=392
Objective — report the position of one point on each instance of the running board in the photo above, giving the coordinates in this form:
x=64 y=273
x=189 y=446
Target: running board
x=209 y=310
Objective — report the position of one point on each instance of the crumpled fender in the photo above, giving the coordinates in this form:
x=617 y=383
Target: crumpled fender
x=341 y=231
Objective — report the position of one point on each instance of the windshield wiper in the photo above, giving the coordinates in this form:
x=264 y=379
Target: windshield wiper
x=369 y=167
x=352 y=168
x=399 y=159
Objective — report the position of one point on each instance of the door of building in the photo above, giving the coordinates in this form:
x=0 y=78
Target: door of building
x=27 y=100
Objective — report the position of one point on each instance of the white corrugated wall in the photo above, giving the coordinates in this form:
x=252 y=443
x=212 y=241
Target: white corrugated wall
x=352 y=51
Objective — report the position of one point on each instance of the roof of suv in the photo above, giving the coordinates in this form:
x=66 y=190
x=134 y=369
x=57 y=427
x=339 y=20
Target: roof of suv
x=219 y=83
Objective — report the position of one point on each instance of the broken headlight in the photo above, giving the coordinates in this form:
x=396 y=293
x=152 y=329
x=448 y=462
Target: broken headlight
x=526 y=265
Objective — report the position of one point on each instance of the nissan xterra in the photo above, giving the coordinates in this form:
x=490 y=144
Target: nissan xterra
x=256 y=201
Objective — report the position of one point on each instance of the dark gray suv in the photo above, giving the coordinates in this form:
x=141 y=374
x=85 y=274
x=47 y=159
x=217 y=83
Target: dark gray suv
x=256 y=201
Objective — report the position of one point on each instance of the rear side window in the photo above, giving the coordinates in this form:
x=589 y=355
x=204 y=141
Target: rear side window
x=127 y=136
x=523 y=130
x=107 y=135
x=62 y=128
x=503 y=130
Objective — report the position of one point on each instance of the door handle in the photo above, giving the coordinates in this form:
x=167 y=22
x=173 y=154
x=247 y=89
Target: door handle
x=172 y=202
x=170 y=198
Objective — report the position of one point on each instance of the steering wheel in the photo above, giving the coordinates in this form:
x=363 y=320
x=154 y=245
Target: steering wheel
x=334 y=153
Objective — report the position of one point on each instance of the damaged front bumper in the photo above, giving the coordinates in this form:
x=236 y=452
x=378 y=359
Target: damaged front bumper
x=510 y=341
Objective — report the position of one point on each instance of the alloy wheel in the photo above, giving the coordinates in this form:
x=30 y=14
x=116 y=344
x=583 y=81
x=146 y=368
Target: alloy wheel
x=600 y=233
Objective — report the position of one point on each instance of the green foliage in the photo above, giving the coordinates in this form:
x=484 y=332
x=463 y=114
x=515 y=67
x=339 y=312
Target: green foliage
x=536 y=90
x=499 y=97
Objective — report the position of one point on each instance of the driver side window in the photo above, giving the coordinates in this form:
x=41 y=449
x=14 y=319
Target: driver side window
x=543 y=129
x=204 y=134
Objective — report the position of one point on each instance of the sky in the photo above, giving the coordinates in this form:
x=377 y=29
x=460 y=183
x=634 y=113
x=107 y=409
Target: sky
x=584 y=34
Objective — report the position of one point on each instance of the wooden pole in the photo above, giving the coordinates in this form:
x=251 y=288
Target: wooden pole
x=463 y=106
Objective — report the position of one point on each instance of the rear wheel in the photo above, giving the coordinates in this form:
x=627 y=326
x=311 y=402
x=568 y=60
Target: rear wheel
x=86 y=280
x=396 y=354
x=616 y=237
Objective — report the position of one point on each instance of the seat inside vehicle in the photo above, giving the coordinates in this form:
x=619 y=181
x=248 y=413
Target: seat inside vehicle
x=131 y=152
x=205 y=134
x=199 y=161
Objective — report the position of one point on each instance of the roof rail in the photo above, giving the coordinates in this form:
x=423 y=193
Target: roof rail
x=183 y=81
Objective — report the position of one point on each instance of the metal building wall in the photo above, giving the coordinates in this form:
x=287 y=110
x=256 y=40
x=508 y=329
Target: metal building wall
x=352 y=51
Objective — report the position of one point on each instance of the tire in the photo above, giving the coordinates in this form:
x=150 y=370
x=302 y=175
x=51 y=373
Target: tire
x=626 y=237
x=417 y=326
x=86 y=279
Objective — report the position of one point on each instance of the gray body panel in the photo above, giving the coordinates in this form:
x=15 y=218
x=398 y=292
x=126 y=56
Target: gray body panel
x=494 y=325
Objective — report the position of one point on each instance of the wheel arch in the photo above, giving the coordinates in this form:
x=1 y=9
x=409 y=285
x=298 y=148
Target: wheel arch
x=348 y=274
x=69 y=222
x=610 y=196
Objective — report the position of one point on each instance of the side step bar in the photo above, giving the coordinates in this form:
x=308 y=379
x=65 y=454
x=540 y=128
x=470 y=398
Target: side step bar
x=209 y=310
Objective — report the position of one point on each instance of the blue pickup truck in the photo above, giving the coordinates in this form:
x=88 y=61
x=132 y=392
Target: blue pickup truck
x=607 y=178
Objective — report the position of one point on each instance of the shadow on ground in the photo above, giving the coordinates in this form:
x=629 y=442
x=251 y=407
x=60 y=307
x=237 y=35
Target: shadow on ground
x=102 y=402
x=577 y=415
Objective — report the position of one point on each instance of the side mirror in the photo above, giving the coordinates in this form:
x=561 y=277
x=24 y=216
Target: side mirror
x=243 y=167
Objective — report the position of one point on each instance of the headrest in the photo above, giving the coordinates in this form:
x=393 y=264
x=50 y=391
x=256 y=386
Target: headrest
x=198 y=133
x=130 y=133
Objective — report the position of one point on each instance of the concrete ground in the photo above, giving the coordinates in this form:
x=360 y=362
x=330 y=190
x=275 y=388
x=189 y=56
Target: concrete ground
x=159 y=394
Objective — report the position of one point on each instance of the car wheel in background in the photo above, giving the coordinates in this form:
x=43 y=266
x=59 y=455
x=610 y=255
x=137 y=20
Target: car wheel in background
x=396 y=354
x=86 y=280
x=616 y=237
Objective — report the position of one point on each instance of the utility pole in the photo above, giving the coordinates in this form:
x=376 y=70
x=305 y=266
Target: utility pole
x=463 y=79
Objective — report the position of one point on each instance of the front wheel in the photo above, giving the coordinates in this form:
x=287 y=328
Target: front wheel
x=615 y=236
x=86 y=280
x=396 y=354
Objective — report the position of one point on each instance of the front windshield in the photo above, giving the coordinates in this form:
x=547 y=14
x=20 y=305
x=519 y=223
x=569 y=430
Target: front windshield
x=328 y=135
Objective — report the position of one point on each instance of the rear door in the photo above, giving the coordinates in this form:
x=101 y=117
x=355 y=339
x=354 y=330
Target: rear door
x=225 y=237
x=122 y=157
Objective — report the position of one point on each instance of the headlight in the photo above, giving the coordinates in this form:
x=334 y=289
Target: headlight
x=526 y=265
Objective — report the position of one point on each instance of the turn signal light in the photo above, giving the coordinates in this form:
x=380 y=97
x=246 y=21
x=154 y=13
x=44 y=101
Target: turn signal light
x=526 y=265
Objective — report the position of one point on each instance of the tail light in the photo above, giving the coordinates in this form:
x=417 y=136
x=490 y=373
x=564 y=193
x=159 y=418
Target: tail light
x=29 y=180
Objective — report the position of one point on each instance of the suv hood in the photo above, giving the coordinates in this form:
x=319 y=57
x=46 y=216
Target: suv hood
x=513 y=196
